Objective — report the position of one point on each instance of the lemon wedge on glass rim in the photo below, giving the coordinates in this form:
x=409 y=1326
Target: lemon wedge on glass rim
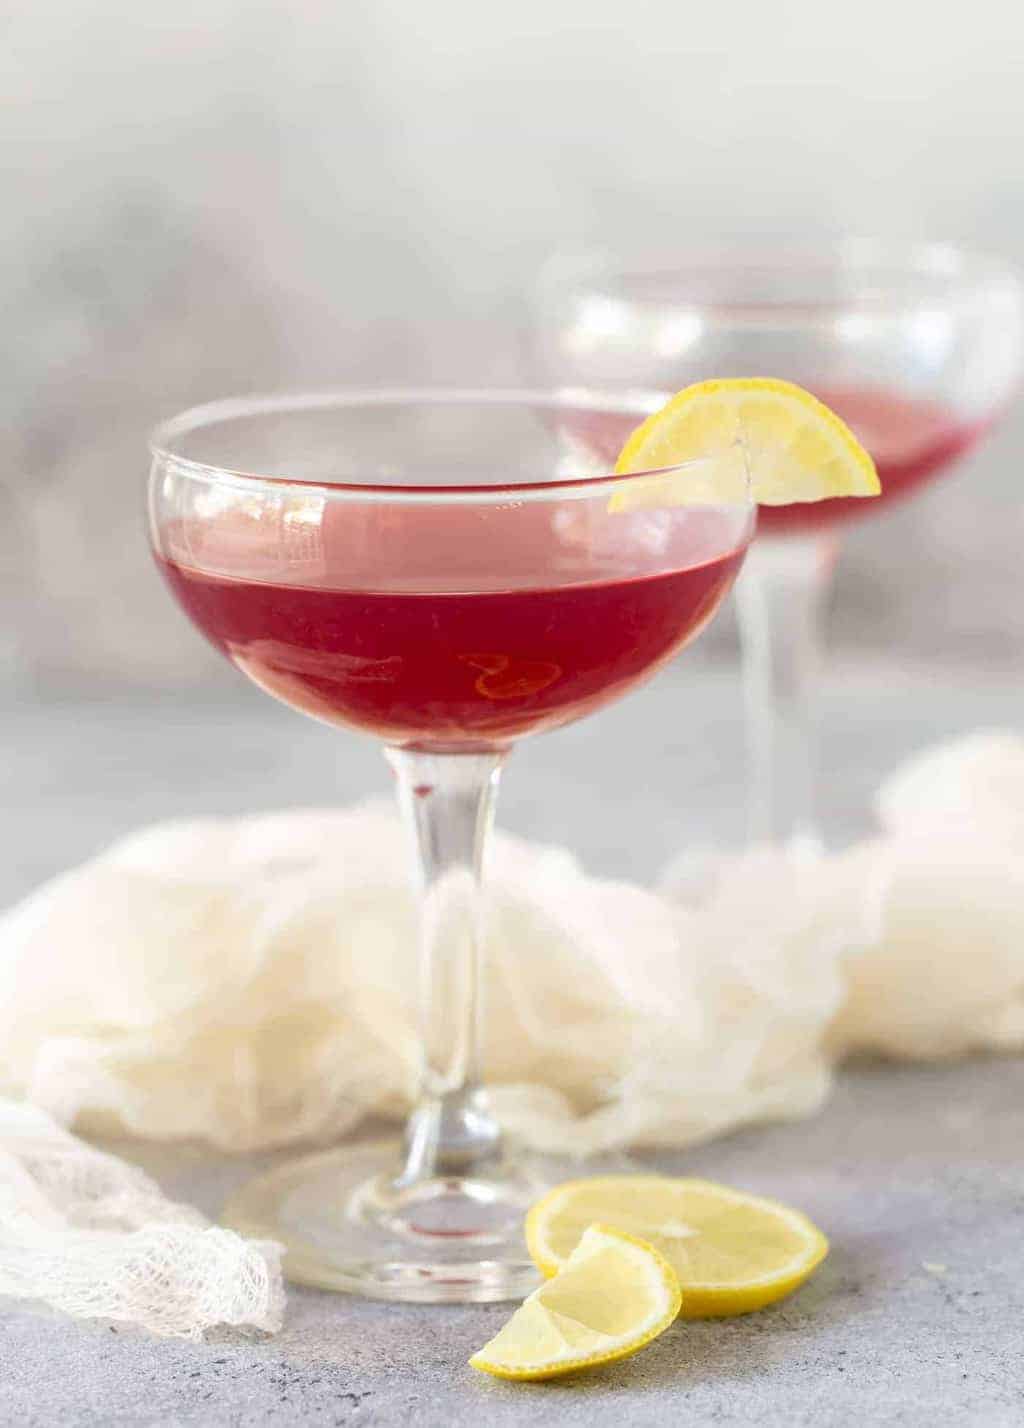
x=731 y=1252
x=756 y=434
x=612 y=1295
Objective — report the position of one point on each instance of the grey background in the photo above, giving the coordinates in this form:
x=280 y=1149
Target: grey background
x=217 y=197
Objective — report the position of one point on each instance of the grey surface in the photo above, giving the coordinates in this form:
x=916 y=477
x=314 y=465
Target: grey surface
x=907 y=1166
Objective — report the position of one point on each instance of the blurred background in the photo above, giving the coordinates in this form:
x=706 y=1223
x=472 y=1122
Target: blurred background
x=207 y=199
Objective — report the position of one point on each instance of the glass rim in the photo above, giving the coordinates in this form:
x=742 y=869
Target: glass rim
x=638 y=402
x=961 y=267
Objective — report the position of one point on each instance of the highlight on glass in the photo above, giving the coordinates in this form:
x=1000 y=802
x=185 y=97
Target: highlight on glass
x=447 y=572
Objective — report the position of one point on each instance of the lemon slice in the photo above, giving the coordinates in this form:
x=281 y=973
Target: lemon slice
x=612 y=1295
x=731 y=1252
x=756 y=433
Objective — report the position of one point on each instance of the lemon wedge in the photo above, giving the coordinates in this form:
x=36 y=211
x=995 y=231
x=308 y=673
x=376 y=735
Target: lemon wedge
x=754 y=433
x=730 y=1251
x=611 y=1295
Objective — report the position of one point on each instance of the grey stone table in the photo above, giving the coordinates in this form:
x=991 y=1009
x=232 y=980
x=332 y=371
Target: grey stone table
x=917 y=1173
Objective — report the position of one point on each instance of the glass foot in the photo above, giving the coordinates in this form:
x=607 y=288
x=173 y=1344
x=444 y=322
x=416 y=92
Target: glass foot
x=347 y=1223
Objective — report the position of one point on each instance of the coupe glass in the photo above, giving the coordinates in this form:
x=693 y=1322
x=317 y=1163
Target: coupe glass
x=919 y=348
x=447 y=572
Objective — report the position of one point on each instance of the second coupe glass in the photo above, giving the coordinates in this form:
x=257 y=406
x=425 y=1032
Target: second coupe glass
x=919 y=348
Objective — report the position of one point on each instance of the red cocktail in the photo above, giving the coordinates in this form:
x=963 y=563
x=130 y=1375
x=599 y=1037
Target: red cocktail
x=918 y=347
x=434 y=570
x=447 y=669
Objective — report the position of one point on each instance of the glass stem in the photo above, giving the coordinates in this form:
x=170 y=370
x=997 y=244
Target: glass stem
x=447 y=803
x=780 y=599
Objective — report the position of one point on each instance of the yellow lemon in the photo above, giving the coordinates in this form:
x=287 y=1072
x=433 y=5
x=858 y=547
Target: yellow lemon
x=751 y=433
x=730 y=1251
x=610 y=1296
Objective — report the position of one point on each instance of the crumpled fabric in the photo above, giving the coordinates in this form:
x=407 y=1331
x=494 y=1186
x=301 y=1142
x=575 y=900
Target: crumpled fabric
x=939 y=969
x=252 y=982
x=95 y=1237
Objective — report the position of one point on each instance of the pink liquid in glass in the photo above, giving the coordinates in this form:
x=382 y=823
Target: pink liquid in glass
x=455 y=669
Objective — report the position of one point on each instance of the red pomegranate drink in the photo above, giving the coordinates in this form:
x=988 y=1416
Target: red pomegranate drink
x=446 y=571
x=457 y=668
